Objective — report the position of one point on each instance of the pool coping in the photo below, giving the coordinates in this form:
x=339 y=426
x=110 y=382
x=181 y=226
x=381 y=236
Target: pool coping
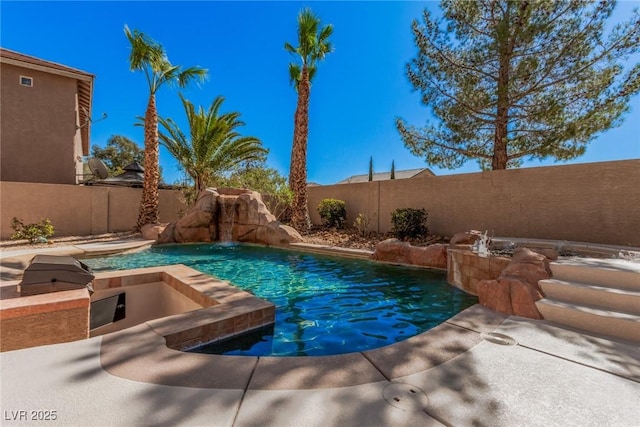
x=140 y=353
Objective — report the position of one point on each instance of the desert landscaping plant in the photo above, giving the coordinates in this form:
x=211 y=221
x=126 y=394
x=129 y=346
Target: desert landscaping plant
x=409 y=222
x=362 y=224
x=313 y=46
x=34 y=233
x=150 y=57
x=213 y=146
x=333 y=212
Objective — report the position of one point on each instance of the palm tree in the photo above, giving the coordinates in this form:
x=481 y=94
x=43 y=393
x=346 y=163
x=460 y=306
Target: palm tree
x=150 y=57
x=313 y=46
x=214 y=145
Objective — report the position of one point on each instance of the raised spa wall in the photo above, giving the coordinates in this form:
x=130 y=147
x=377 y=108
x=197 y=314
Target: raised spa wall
x=183 y=305
x=465 y=269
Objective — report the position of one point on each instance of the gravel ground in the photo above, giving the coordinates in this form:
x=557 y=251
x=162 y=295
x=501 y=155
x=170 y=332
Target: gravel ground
x=11 y=245
x=351 y=238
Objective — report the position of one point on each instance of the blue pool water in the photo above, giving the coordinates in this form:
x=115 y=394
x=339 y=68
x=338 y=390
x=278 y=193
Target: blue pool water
x=324 y=305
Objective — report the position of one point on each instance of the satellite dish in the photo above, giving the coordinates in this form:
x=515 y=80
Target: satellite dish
x=97 y=168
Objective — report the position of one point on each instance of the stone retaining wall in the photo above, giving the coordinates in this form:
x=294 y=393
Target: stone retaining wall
x=466 y=269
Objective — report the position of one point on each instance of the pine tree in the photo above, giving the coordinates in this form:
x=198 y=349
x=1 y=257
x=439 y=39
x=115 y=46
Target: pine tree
x=508 y=80
x=371 y=169
x=393 y=169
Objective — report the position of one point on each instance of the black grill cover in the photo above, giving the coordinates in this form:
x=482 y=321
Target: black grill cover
x=61 y=271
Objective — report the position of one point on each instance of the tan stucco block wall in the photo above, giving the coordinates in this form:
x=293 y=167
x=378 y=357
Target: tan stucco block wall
x=592 y=202
x=38 y=144
x=78 y=209
x=69 y=207
x=361 y=198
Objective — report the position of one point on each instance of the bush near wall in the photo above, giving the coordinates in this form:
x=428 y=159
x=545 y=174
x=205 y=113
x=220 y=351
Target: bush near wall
x=409 y=222
x=333 y=212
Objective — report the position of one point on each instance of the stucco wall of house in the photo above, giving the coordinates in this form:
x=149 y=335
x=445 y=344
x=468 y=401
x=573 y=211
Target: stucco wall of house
x=38 y=127
x=78 y=209
x=592 y=202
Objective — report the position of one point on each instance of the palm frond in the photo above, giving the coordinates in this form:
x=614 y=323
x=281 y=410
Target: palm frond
x=294 y=74
x=214 y=147
x=313 y=45
x=190 y=74
x=289 y=48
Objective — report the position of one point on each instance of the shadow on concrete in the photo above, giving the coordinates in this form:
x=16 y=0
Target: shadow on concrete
x=613 y=355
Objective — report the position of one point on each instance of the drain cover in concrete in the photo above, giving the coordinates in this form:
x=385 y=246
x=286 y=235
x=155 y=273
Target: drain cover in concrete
x=405 y=396
x=497 y=338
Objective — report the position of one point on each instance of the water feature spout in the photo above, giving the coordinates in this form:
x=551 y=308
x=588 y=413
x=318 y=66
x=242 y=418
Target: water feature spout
x=481 y=246
x=227 y=216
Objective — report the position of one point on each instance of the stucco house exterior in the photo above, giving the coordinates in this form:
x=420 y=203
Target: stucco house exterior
x=44 y=119
x=385 y=176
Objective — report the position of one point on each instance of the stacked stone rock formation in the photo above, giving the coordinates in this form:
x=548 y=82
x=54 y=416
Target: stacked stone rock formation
x=226 y=214
x=516 y=290
x=395 y=251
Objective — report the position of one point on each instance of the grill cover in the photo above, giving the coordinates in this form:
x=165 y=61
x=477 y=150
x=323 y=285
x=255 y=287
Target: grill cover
x=52 y=273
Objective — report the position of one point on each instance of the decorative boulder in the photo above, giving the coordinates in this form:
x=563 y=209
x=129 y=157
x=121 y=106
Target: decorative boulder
x=434 y=256
x=495 y=295
x=392 y=250
x=468 y=238
x=395 y=251
x=153 y=231
x=166 y=236
x=516 y=290
x=550 y=254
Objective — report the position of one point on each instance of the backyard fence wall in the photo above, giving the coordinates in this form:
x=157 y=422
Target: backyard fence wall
x=77 y=209
x=593 y=202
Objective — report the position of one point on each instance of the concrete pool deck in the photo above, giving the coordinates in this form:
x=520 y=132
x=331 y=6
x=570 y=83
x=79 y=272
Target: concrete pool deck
x=452 y=375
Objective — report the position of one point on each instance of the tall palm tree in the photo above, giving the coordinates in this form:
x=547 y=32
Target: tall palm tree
x=150 y=57
x=213 y=147
x=313 y=46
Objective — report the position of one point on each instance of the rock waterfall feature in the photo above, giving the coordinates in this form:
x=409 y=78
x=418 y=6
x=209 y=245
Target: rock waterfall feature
x=226 y=214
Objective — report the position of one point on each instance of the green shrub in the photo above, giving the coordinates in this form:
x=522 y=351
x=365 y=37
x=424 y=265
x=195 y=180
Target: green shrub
x=409 y=222
x=333 y=212
x=38 y=232
x=362 y=224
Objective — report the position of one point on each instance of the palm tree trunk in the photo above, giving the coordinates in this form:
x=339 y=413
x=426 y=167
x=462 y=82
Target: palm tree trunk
x=149 y=205
x=298 y=171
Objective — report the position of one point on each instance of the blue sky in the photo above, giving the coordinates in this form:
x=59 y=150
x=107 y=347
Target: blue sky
x=358 y=90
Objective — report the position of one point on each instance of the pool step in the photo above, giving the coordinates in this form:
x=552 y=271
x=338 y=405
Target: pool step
x=601 y=272
x=586 y=294
x=600 y=296
x=592 y=319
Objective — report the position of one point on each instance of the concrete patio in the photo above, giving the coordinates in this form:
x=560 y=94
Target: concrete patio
x=534 y=373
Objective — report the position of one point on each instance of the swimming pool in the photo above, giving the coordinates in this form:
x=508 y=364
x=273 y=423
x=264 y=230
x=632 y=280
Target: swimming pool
x=324 y=304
